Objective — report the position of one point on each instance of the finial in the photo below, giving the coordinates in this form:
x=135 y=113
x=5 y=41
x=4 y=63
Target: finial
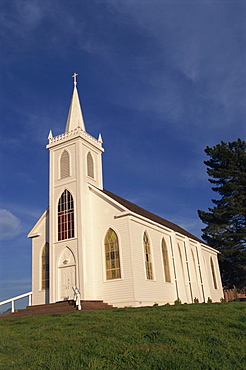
x=100 y=140
x=74 y=78
x=50 y=135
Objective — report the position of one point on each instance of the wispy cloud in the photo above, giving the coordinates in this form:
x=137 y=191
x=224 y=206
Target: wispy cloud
x=21 y=211
x=9 y=225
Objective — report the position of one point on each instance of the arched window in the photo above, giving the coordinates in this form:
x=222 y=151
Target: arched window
x=213 y=273
x=181 y=261
x=65 y=216
x=148 y=259
x=112 y=255
x=45 y=266
x=64 y=165
x=90 y=165
x=194 y=263
x=165 y=261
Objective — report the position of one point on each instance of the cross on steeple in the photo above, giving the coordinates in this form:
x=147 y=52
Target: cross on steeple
x=74 y=77
x=75 y=116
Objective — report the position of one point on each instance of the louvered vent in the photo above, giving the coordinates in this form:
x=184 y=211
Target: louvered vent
x=64 y=168
x=90 y=165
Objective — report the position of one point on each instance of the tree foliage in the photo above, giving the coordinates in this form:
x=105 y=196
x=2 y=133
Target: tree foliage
x=226 y=221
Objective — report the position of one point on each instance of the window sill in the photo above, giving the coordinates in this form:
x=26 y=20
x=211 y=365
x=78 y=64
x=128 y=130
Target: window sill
x=66 y=240
x=110 y=280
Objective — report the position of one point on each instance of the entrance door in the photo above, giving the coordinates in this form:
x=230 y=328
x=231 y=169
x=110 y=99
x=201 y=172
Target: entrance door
x=67 y=281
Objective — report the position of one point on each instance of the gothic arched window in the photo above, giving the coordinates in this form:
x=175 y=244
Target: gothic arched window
x=181 y=261
x=45 y=266
x=65 y=216
x=194 y=262
x=112 y=255
x=213 y=273
x=165 y=261
x=64 y=165
x=148 y=259
x=90 y=165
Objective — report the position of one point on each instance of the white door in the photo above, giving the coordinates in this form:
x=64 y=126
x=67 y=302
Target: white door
x=67 y=281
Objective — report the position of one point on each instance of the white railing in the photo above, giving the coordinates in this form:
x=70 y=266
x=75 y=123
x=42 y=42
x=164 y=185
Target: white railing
x=12 y=300
x=76 y=297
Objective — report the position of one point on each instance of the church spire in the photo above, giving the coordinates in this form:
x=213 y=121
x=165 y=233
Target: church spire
x=75 y=116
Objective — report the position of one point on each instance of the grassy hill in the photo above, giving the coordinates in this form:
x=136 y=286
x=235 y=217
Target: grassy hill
x=198 y=336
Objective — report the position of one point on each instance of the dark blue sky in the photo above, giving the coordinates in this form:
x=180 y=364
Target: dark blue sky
x=160 y=80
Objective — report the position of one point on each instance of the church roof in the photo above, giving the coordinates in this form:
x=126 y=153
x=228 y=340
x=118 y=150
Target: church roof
x=151 y=216
x=75 y=116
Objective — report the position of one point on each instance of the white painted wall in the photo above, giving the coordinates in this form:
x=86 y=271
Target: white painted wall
x=95 y=213
x=40 y=237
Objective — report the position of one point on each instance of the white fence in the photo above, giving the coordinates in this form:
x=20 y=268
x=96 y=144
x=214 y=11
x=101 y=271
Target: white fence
x=12 y=300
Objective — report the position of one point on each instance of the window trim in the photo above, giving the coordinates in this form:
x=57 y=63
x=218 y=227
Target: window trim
x=63 y=214
x=90 y=166
x=45 y=272
x=167 y=271
x=215 y=285
x=181 y=261
x=60 y=167
x=148 y=261
x=113 y=251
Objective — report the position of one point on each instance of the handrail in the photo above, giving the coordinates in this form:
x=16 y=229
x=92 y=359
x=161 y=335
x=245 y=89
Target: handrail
x=76 y=297
x=12 y=300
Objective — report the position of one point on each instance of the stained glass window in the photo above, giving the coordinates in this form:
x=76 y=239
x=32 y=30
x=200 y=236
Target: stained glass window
x=45 y=267
x=112 y=255
x=213 y=273
x=165 y=261
x=148 y=259
x=65 y=216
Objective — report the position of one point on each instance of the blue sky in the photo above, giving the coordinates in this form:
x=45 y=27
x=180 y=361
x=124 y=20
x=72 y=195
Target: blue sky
x=160 y=80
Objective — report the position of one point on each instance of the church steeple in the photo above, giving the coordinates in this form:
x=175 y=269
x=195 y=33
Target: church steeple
x=75 y=116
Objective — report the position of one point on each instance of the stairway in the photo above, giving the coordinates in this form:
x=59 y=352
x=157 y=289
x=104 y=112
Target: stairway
x=59 y=307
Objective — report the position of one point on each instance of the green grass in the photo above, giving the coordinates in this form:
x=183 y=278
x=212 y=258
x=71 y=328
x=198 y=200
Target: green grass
x=198 y=336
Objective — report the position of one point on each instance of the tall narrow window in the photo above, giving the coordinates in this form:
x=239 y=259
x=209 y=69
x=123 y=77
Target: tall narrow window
x=64 y=165
x=148 y=260
x=112 y=255
x=194 y=263
x=181 y=261
x=90 y=165
x=65 y=216
x=165 y=261
x=45 y=267
x=213 y=273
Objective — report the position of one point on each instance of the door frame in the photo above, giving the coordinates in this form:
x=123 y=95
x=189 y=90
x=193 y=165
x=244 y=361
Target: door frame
x=60 y=268
x=66 y=259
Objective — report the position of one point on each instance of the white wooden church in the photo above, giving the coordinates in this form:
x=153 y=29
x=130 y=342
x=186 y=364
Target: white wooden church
x=106 y=246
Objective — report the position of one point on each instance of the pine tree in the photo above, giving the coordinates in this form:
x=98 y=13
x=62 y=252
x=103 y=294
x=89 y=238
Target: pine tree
x=226 y=222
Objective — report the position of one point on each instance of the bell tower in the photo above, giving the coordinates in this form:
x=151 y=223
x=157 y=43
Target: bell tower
x=75 y=164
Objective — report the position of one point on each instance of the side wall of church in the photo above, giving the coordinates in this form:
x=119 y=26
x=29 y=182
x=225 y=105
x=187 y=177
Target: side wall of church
x=40 y=295
x=102 y=217
x=155 y=290
x=213 y=284
x=190 y=275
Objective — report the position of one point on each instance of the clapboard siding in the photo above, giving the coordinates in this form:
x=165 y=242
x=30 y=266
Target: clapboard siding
x=95 y=211
x=39 y=240
x=103 y=217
